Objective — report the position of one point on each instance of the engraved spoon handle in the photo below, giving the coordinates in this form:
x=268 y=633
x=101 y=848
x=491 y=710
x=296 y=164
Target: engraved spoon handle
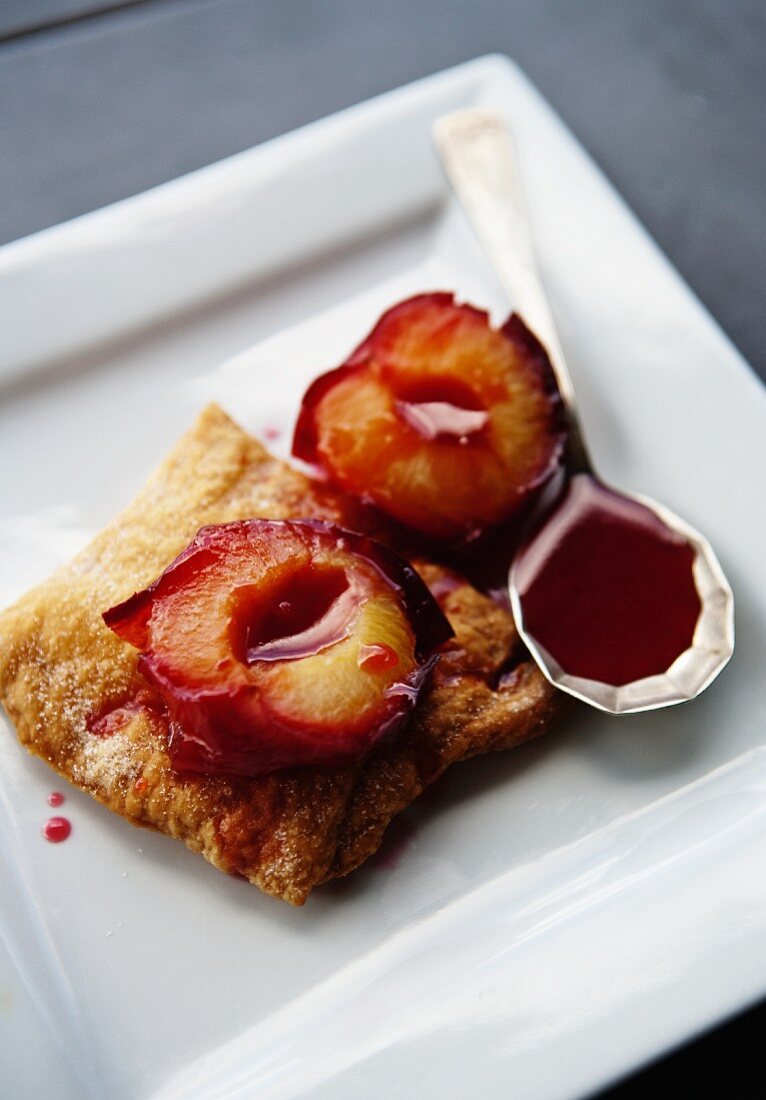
x=480 y=160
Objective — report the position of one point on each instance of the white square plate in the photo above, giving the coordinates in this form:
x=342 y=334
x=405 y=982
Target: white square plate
x=555 y=915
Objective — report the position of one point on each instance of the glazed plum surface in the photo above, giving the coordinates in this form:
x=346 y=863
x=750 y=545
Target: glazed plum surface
x=276 y=644
x=439 y=420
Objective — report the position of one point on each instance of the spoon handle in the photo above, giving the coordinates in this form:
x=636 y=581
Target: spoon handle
x=479 y=157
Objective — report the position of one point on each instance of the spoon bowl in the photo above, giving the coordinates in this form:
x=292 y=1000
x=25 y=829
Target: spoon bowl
x=677 y=622
x=711 y=638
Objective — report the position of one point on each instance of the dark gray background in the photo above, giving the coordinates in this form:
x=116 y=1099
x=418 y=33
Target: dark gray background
x=668 y=96
x=99 y=100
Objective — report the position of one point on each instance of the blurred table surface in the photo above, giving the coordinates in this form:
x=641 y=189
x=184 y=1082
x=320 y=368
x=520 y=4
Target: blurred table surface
x=101 y=100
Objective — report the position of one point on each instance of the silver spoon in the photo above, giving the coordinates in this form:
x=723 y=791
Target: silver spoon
x=480 y=160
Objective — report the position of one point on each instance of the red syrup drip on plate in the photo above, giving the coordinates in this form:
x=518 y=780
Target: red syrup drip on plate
x=55 y=798
x=606 y=588
x=57 y=829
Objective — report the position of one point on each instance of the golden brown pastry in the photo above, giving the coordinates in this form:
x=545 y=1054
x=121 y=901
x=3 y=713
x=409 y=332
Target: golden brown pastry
x=73 y=691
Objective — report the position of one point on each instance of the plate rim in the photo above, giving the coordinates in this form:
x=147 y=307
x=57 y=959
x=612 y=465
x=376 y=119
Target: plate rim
x=29 y=249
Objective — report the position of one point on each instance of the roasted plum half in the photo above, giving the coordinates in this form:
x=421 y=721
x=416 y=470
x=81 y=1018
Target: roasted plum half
x=439 y=420
x=278 y=644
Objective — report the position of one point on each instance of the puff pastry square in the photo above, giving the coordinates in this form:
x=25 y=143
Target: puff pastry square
x=62 y=672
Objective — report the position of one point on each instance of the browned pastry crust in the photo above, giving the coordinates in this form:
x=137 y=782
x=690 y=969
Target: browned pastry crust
x=73 y=691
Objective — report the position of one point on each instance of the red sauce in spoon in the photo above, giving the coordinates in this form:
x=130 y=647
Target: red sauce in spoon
x=606 y=588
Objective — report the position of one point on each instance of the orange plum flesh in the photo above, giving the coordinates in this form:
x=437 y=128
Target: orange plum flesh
x=277 y=644
x=442 y=422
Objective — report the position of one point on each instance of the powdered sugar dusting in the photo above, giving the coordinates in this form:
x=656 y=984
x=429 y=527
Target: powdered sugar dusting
x=105 y=761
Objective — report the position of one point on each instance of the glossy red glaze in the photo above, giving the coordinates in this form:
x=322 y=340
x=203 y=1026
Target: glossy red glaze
x=441 y=408
x=246 y=602
x=423 y=437
x=57 y=829
x=377 y=656
x=606 y=588
x=311 y=613
x=442 y=419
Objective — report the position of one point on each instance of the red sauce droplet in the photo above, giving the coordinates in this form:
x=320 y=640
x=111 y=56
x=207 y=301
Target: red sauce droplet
x=57 y=829
x=55 y=798
x=140 y=785
x=272 y=433
x=606 y=588
x=377 y=657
